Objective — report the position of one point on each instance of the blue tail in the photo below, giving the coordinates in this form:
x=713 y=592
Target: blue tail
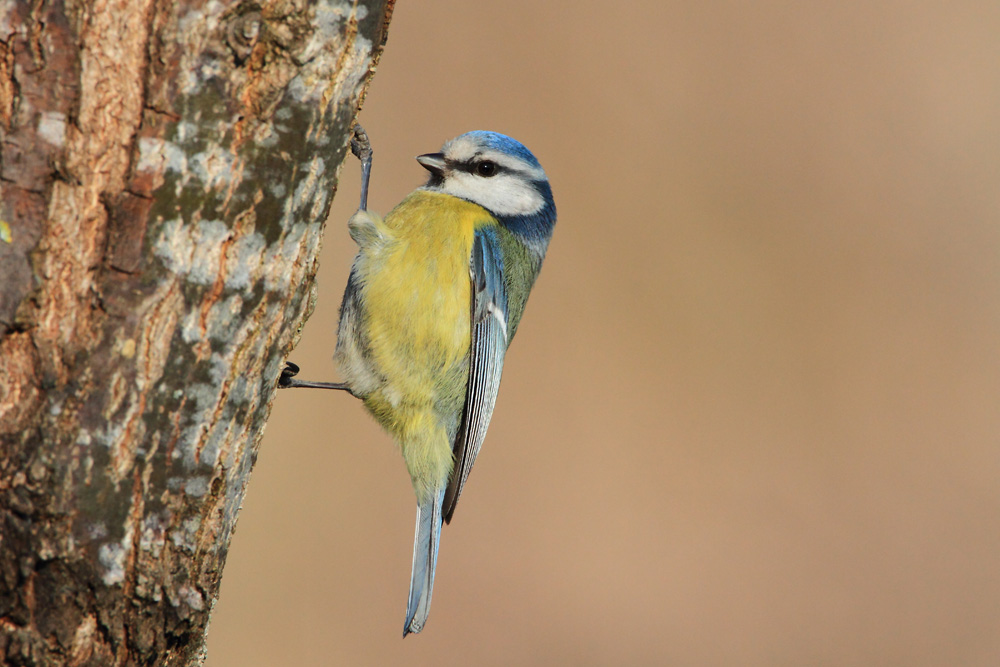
x=425 y=555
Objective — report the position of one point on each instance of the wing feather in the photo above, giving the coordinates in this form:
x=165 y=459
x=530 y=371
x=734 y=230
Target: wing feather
x=486 y=355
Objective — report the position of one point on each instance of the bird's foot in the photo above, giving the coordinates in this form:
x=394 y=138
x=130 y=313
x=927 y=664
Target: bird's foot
x=287 y=381
x=362 y=149
x=360 y=145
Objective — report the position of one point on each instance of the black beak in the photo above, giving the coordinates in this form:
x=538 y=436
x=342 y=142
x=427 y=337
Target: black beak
x=433 y=162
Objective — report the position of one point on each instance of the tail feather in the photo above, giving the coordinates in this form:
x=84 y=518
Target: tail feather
x=425 y=553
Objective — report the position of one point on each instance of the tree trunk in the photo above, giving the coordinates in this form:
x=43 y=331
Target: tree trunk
x=165 y=172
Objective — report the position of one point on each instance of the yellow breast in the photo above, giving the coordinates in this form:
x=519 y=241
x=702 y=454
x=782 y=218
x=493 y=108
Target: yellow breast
x=417 y=293
x=405 y=326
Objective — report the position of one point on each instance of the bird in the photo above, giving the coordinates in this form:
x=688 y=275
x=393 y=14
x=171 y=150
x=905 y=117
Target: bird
x=435 y=296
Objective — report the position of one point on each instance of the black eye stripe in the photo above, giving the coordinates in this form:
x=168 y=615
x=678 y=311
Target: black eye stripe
x=472 y=166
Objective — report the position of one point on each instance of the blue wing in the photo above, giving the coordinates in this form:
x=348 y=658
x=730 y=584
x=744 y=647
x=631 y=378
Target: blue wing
x=489 y=344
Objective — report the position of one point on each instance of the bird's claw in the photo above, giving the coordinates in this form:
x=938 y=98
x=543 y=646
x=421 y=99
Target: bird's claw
x=360 y=145
x=362 y=148
x=287 y=373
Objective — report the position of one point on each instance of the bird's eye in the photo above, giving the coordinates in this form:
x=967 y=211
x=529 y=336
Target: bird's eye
x=486 y=168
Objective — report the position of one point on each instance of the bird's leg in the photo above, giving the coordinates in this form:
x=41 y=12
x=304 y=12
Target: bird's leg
x=286 y=380
x=362 y=149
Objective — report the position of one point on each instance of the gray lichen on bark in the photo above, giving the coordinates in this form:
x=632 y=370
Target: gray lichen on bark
x=165 y=173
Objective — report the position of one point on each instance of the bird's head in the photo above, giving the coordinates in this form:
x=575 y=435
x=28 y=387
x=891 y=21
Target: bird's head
x=492 y=170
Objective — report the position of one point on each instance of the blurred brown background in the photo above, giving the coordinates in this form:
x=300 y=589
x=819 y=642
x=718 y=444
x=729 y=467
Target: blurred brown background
x=752 y=415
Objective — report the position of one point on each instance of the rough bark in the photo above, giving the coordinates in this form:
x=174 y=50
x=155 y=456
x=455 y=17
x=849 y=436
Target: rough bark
x=165 y=172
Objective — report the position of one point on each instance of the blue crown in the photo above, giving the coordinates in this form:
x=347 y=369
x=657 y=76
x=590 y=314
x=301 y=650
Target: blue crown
x=504 y=144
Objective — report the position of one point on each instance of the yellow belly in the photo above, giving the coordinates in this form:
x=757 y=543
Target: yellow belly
x=416 y=290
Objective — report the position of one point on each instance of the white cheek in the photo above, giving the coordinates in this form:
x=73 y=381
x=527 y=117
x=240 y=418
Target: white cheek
x=503 y=194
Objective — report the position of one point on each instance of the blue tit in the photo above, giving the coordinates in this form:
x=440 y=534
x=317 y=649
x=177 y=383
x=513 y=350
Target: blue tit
x=435 y=296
